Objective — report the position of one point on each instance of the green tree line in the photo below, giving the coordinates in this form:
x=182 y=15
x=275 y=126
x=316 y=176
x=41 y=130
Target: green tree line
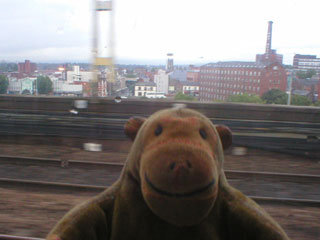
x=8 y=67
x=4 y=84
x=273 y=96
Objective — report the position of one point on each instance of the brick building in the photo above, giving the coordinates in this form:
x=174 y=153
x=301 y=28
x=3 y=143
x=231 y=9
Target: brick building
x=318 y=88
x=310 y=86
x=219 y=80
x=193 y=75
x=26 y=68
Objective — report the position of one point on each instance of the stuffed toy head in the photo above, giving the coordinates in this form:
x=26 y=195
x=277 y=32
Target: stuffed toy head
x=177 y=159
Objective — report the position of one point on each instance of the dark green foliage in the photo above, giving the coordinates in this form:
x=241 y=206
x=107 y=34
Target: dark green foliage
x=306 y=74
x=275 y=96
x=26 y=92
x=317 y=103
x=94 y=88
x=300 y=100
x=44 y=85
x=4 y=83
x=181 y=96
x=130 y=85
x=245 y=98
x=130 y=76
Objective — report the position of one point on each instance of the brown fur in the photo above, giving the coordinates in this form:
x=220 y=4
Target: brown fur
x=172 y=187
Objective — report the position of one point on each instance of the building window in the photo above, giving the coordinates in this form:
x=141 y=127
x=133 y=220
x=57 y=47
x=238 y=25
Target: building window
x=139 y=94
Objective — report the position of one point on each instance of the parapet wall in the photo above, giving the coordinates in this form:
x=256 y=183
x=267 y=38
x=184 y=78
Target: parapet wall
x=106 y=106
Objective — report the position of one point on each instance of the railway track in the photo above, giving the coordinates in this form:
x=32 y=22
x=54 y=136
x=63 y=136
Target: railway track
x=296 y=129
x=300 y=138
x=51 y=187
x=231 y=174
x=61 y=174
x=12 y=237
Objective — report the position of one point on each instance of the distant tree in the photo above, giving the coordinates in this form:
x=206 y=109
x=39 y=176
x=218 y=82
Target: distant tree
x=275 y=96
x=300 y=100
x=130 y=85
x=93 y=89
x=306 y=74
x=317 y=103
x=4 y=84
x=44 y=85
x=245 y=98
x=26 y=92
x=130 y=76
x=181 y=96
x=8 y=67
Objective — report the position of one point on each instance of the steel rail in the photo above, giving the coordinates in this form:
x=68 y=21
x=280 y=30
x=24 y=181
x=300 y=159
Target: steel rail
x=94 y=188
x=12 y=237
x=57 y=162
x=231 y=174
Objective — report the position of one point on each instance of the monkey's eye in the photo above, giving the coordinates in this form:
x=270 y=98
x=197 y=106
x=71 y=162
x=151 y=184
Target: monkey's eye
x=203 y=133
x=158 y=130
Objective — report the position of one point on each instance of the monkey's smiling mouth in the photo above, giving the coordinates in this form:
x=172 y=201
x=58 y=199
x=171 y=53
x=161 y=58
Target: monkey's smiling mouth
x=179 y=195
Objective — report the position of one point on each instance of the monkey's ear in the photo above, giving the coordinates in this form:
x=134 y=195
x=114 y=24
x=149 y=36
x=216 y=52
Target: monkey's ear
x=225 y=136
x=132 y=127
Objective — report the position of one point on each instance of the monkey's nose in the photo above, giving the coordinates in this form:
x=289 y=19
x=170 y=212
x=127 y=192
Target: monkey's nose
x=175 y=166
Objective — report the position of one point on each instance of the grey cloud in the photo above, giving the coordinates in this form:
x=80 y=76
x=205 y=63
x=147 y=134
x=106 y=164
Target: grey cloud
x=28 y=25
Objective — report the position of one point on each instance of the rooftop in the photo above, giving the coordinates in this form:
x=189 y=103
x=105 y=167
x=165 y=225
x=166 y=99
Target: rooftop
x=145 y=84
x=235 y=64
x=189 y=83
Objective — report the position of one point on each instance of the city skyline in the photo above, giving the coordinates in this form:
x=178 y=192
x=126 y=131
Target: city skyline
x=60 y=31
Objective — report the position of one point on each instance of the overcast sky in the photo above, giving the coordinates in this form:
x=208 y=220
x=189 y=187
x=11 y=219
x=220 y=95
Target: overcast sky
x=198 y=31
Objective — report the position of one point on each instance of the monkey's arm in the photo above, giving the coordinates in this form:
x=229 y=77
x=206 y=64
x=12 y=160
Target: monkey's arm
x=247 y=220
x=90 y=220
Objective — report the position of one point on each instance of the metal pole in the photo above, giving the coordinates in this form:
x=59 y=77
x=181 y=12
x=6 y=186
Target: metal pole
x=95 y=38
x=111 y=40
x=95 y=34
x=290 y=78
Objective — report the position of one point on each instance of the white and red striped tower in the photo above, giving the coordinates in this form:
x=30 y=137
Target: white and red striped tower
x=97 y=59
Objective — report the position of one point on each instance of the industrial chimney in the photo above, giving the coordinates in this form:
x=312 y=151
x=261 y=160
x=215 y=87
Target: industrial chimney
x=169 y=66
x=269 y=37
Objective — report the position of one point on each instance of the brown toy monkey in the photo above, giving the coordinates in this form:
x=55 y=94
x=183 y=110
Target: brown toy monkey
x=171 y=187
